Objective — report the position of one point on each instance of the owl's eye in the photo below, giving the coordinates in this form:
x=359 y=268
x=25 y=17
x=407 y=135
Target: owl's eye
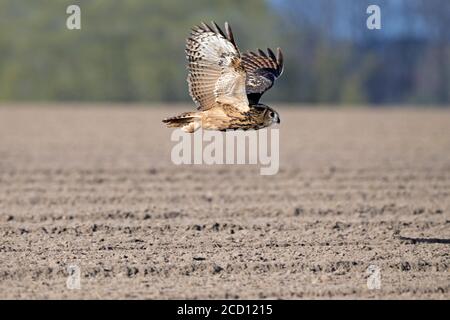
x=272 y=114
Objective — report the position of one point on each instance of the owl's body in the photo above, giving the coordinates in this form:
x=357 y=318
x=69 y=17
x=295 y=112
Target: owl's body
x=224 y=117
x=225 y=85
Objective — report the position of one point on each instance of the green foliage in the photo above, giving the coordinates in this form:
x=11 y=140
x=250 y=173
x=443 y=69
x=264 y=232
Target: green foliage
x=133 y=50
x=126 y=50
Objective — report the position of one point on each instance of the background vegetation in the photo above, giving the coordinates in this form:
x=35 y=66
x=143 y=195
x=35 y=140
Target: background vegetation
x=134 y=50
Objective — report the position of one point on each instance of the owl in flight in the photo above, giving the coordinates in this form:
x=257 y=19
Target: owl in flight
x=225 y=85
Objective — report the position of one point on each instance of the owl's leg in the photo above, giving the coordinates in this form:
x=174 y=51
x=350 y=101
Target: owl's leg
x=192 y=126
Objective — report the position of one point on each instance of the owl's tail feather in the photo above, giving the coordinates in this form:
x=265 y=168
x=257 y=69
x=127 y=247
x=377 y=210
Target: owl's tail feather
x=189 y=121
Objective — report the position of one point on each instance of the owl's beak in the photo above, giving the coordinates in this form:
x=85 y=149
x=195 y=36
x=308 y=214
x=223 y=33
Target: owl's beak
x=276 y=119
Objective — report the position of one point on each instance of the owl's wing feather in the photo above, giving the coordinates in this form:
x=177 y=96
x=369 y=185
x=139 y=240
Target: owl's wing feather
x=262 y=71
x=216 y=75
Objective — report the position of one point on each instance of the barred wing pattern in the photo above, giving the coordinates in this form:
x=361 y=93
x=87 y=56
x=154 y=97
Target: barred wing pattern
x=216 y=75
x=262 y=71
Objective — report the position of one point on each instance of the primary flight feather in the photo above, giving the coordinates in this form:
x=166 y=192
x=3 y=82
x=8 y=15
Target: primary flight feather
x=225 y=85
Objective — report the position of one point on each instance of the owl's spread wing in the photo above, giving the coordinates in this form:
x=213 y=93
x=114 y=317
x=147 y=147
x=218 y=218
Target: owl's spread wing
x=262 y=71
x=216 y=75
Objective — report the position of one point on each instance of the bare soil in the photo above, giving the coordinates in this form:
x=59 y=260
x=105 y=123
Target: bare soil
x=94 y=186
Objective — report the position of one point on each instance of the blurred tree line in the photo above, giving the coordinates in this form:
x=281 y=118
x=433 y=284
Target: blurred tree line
x=134 y=50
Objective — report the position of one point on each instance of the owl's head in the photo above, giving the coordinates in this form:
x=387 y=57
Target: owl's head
x=270 y=116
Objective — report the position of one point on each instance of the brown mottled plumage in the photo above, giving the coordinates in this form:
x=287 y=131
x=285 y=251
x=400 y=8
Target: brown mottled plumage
x=221 y=83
